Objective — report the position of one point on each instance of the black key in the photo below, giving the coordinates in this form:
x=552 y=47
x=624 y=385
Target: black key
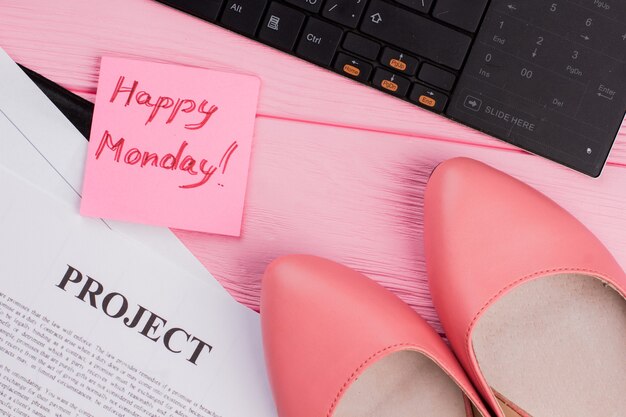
x=361 y=46
x=429 y=99
x=415 y=34
x=464 y=14
x=319 y=42
x=310 y=5
x=345 y=12
x=243 y=16
x=419 y=5
x=391 y=83
x=436 y=76
x=205 y=9
x=281 y=26
x=399 y=61
x=353 y=67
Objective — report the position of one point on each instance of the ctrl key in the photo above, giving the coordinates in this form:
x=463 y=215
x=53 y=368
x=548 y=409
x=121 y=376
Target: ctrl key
x=427 y=98
x=353 y=67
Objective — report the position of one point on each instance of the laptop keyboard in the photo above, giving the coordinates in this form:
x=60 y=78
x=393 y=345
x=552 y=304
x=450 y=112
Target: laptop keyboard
x=412 y=49
x=548 y=76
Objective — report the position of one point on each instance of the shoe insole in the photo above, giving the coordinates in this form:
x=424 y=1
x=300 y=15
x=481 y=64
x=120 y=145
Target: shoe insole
x=556 y=347
x=402 y=384
x=508 y=411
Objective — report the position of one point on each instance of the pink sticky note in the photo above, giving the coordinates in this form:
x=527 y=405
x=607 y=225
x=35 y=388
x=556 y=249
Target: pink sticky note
x=170 y=146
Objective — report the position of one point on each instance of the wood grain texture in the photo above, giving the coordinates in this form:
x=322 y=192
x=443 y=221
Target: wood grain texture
x=337 y=169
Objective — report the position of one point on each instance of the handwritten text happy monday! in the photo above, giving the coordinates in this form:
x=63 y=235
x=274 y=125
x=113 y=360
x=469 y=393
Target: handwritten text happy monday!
x=166 y=110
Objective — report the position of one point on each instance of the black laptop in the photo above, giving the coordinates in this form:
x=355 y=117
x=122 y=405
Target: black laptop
x=546 y=75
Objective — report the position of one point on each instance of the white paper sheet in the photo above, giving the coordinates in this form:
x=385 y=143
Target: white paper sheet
x=39 y=143
x=66 y=350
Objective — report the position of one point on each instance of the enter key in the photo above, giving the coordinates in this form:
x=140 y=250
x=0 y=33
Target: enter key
x=604 y=102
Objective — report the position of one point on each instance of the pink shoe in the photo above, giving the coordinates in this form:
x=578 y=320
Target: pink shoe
x=532 y=303
x=338 y=344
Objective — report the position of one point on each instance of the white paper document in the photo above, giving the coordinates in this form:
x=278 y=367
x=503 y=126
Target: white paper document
x=38 y=142
x=93 y=324
x=104 y=319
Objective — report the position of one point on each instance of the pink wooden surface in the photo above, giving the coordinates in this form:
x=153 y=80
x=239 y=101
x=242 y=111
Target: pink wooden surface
x=337 y=169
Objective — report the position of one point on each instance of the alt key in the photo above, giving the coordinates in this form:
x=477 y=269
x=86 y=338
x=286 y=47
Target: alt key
x=243 y=16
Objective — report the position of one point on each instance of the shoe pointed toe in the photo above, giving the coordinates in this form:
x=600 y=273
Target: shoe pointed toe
x=324 y=324
x=483 y=227
x=493 y=241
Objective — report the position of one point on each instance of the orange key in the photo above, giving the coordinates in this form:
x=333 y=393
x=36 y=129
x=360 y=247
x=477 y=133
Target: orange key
x=389 y=85
x=427 y=101
x=397 y=64
x=352 y=70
